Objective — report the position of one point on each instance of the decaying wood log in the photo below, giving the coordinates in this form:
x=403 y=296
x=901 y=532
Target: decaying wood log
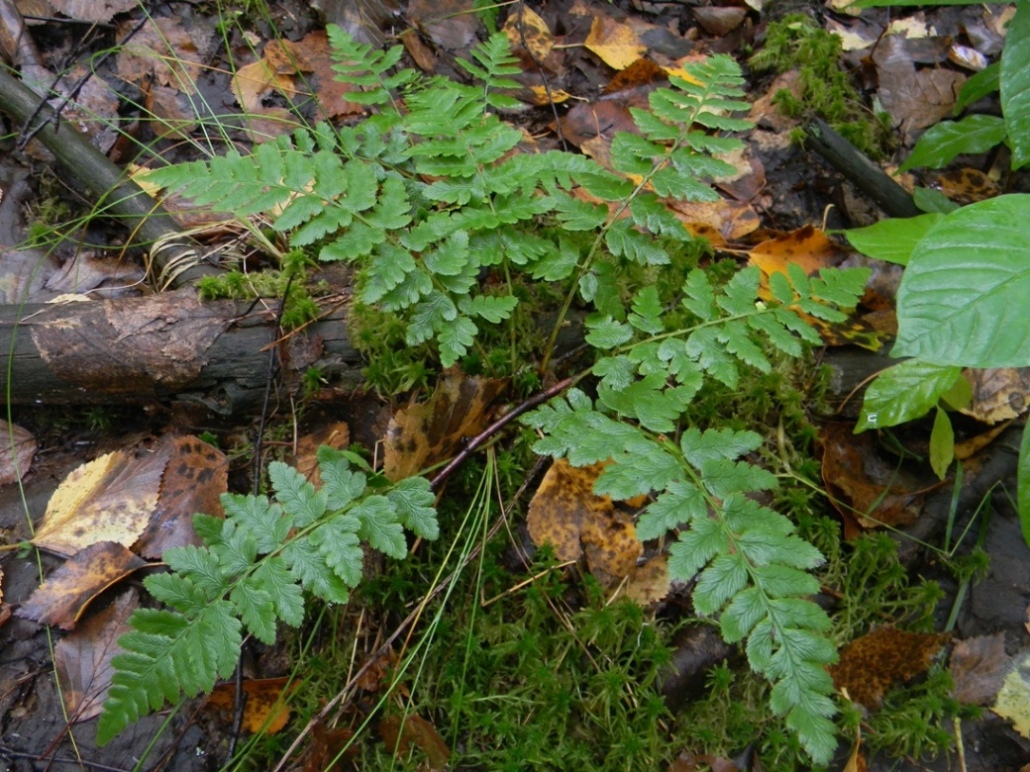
x=146 y=220
x=168 y=347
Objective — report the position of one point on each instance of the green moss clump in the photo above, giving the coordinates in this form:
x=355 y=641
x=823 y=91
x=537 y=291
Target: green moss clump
x=826 y=90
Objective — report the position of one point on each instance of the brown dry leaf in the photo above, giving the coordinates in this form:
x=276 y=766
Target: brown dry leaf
x=526 y=25
x=196 y=476
x=450 y=24
x=401 y=734
x=766 y=114
x=425 y=434
x=719 y=221
x=916 y=99
x=82 y=659
x=970 y=447
x=251 y=84
x=418 y=50
x=313 y=54
x=649 y=583
x=17 y=449
x=108 y=499
x=335 y=435
x=566 y=514
x=611 y=545
x=978 y=667
x=999 y=394
x=967 y=186
x=328 y=744
x=719 y=21
x=614 y=42
x=587 y=121
x=856 y=477
x=265 y=709
x=161 y=48
x=640 y=74
x=93 y=11
x=872 y=665
x=62 y=598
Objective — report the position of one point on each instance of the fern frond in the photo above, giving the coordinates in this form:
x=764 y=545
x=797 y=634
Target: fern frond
x=361 y=65
x=251 y=574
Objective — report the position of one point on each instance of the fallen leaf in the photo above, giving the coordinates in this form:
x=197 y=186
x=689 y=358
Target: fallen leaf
x=999 y=394
x=566 y=514
x=17 y=449
x=642 y=72
x=719 y=20
x=401 y=734
x=330 y=749
x=719 y=221
x=193 y=481
x=451 y=24
x=161 y=48
x=966 y=186
x=82 y=659
x=108 y=499
x=978 y=667
x=615 y=43
x=866 y=490
x=69 y=588
x=92 y=11
x=524 y=27
x=649 y=583
x=873 y=664
x=335 y=435
x=916 y=99
x=264 y=709
x=808 y=248
x=421 y=435
x=1013 y=702
x=418 y=50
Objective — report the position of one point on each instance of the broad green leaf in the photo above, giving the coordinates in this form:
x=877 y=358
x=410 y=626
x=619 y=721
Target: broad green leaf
x=905 y=392
x=1015 y=84
x=985 y=82
x=893 y=239
x=930 y=200
x=963 y=298
x=942 y=444
x=943 y=142
x=1023 y=484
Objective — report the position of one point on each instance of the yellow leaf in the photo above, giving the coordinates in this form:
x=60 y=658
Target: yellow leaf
x=616 y=44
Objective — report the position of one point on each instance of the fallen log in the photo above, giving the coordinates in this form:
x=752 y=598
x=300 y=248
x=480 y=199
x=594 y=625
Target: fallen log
x=167 y=347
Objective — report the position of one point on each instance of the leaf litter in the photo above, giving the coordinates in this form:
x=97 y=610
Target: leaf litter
x=564 y=511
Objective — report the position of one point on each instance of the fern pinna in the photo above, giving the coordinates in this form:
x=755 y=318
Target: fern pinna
x=422 y=200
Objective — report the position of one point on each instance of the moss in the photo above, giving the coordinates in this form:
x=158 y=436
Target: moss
x=825 y=88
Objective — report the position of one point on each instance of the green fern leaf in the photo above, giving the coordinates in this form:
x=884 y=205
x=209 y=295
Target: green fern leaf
x=681 y=503
x=168 y=656
x=379 y=526
x=413 y=502
x=338 y=542
x=296 y=495
x=256 y=609
x=492 y=308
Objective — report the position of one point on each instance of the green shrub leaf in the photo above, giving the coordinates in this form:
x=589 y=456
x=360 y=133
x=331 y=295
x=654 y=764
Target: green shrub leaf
x=1015 y=85
x=893 y=240
x=962 y=300
x=905 y=392
x=943 y=142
